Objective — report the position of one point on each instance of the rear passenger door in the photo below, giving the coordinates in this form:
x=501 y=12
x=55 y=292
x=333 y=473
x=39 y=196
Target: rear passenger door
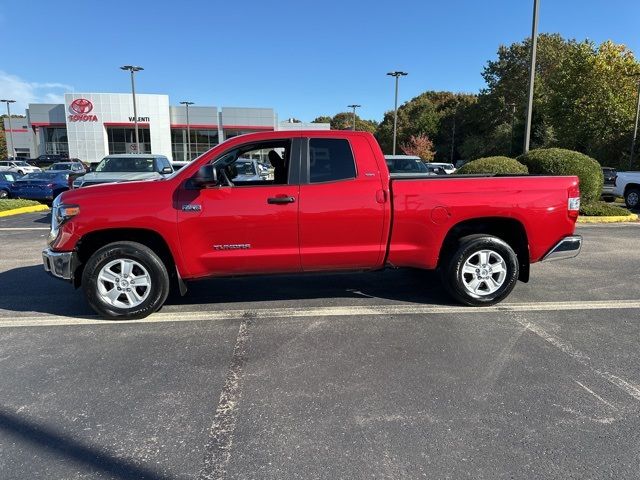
x=342 y=207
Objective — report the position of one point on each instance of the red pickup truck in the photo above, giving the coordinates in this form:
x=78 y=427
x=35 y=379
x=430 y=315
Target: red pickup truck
x=330 y=204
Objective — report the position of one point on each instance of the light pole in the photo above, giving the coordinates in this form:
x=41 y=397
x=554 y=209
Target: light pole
x=13 y=145
x=635 y=129
x=354 y=106
x=133 y=69
x=186 y=104
x=396 y=74
x=532 y=75
x=513 y=117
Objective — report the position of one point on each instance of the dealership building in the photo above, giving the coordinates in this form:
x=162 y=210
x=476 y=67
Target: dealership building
x=89 y=126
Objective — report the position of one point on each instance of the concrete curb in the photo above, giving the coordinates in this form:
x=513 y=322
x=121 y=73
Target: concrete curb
x=617 y=219
x=18 y=211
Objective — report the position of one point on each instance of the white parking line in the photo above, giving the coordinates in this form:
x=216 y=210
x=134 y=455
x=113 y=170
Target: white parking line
x=44 y=320
x=17 y=229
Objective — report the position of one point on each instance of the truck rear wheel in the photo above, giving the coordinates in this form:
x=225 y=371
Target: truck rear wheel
x=632 y=198
x=482 y=271
x=125 y=280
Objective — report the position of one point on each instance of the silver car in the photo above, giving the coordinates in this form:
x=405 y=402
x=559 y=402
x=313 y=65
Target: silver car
x=126 y=168
x=18 y=166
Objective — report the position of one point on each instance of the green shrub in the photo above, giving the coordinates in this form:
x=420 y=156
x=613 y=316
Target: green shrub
x=10 y=204
x=558 y=161
x=504 y=165
x=603 y=209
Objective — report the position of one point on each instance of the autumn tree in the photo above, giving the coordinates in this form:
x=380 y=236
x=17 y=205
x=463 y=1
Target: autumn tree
x=419 y=145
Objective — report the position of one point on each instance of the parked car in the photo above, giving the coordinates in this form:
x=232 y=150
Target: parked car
x=627 y=185
x=44 y=186
x=18 y=166
x=71 y=167
x=447 y=167
x=405 y=164
x=331 y=205
x=6 y=179
x=436 y=169
x=46 y=160
x=126 y=168
x=609 y=183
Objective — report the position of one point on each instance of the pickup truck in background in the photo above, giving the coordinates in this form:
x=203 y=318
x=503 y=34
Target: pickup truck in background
x=627 y=185
x=331 y=206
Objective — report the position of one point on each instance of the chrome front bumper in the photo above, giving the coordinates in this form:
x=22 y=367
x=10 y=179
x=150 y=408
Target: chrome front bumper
x=59 y=264
x=568 y=247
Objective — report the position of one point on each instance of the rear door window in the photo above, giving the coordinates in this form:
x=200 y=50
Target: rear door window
x=330 y=160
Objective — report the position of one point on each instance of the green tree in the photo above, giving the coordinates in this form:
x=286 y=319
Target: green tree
x=322 y=119
x=583 y=98
x=432 y=114
x=344 y=121
x=3 y=141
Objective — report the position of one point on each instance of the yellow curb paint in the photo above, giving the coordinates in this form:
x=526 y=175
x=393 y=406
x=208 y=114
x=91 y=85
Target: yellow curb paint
x=615 y=219
x=18 y=211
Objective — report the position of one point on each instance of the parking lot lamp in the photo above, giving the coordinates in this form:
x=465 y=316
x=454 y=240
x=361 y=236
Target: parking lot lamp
x=133 y=69
x=13 y=145
x=532 y=75
x=186 y=104
x=354 y=106
x=635 y=128
x=396 y=74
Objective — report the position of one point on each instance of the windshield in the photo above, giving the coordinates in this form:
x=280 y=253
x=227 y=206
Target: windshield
x=128 y=164
x=61 y=166
x=44 y=176
x=406 y=165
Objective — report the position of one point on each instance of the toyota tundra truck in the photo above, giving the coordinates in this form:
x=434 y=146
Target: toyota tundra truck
x=332 y=205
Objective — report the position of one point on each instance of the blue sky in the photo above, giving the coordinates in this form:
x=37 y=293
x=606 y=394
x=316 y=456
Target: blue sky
x=302 y=58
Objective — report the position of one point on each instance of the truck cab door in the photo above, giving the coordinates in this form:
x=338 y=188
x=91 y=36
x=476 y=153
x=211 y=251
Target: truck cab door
x=244 y=227
x=344 y=206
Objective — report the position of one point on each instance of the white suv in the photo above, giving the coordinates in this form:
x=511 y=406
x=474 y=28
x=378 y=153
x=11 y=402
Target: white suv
x=18 y=166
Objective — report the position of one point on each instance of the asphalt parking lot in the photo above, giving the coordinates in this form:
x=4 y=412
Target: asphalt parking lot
x=374 y=375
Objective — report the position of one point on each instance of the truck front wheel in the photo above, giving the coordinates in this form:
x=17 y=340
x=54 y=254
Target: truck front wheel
x=125 y=280
x=482 y=271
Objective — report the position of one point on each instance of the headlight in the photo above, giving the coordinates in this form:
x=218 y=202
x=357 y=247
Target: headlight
x=77 y=183
x=60 y=213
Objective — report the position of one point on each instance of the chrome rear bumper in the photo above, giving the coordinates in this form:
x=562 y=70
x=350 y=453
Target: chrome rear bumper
x=568 y=247
x=59 y=264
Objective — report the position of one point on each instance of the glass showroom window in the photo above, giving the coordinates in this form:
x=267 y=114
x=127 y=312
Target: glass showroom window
x=123 y=140
x=56 y=141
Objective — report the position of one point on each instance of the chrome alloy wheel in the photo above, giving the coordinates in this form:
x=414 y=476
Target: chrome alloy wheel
x=484 y=273
x=632 y=199
x=123 y=283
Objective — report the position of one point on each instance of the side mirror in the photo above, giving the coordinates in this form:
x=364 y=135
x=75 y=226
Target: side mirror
x=207 y=176
x=166 y=170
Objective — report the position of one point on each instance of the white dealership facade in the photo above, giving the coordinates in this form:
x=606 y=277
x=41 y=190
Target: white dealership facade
x=89 y=126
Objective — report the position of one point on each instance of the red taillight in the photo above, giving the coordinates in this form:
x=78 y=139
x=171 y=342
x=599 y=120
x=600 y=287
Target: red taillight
x=573 y=202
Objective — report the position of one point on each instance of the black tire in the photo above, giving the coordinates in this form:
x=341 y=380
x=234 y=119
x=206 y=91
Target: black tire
x=632 y=198
x=454 y=279
x=20 y=172
x=4 y=193
x=159 y=288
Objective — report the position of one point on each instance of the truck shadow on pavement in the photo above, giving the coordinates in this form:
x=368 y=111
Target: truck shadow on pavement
x=30 y=289
x=55 y=442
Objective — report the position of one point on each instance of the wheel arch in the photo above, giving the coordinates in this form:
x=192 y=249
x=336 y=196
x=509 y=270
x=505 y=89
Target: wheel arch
x=510 y=230
x=629 y=186
x=92 y=241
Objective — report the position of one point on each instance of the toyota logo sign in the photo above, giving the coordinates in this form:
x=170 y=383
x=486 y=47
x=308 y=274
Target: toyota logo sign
x=80 y=109
x=81 y=105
